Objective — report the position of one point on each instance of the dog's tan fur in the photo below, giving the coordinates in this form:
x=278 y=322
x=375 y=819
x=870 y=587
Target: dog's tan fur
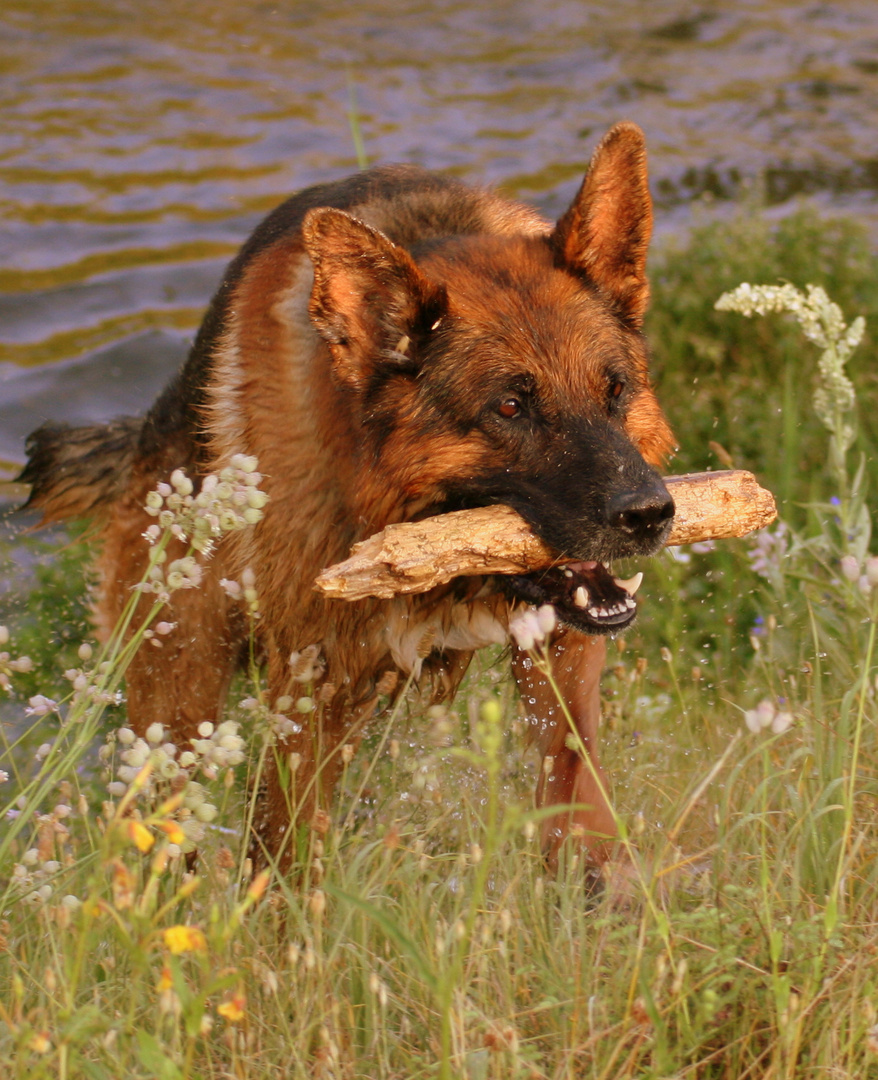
x=347 y=349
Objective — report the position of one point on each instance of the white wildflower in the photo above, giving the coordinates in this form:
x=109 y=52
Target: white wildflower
x=781 y=722
x=766 y=715
x=850 y=567
x=226 y=502
x=231 y=588
x=823 y=324
x=10 y=666
x=283 y=725
x=533 y=625
x=39 y=705
x=155 y=733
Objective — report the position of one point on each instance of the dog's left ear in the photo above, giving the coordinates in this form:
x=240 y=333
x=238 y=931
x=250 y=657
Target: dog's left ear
x=370 y=302
x=605 y=234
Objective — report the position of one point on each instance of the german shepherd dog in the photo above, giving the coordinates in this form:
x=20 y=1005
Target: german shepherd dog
x=389 y=347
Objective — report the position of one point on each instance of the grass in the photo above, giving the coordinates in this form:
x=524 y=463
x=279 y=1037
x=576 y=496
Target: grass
x=424 y=938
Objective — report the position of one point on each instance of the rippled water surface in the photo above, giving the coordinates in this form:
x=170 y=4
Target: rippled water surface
x=141 y=141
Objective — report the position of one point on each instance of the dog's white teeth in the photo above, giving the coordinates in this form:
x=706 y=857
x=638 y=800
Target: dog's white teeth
x=580 y=597
x=567 y=572
x=631 y=585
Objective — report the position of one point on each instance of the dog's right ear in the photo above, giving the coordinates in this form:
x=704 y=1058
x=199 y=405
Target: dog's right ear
x=370 y=302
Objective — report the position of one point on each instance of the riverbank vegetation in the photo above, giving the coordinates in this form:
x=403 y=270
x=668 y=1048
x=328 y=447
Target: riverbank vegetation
x=424 y=937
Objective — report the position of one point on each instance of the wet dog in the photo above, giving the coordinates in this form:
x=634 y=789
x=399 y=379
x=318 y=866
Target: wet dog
x=393 y=346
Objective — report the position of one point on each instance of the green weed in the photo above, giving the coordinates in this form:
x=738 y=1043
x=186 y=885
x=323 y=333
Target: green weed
x=423 y=937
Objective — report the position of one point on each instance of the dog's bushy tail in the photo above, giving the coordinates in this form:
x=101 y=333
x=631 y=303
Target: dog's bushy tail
x=79 y=472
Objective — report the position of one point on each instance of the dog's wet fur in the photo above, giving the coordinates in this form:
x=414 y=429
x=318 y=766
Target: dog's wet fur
x=393 y=346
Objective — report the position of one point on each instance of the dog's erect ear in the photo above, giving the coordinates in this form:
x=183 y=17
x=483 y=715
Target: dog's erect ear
x=370 y=302
x=605 y=233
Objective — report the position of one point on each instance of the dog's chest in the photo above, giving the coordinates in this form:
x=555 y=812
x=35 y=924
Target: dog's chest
x=412 y=633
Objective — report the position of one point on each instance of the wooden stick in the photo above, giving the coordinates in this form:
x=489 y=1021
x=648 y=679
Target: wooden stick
x=415 y=556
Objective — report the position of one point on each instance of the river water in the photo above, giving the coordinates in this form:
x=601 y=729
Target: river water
x=140 y=141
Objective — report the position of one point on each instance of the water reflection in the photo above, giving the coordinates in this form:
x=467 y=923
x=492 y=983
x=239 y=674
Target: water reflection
x=140 y=141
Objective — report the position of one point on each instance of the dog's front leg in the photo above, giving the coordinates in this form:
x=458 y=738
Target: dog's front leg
x=296 y=788
x=571 y=773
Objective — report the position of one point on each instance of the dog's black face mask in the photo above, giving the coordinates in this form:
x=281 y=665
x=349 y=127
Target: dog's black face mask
x=595 y=500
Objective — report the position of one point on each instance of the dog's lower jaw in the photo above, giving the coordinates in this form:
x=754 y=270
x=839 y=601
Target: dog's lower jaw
x=584 y=594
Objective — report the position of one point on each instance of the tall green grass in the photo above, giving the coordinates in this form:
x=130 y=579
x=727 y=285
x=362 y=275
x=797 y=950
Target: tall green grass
x=423 y=937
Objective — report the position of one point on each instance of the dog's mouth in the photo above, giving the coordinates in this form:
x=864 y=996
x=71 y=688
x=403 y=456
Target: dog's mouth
x=585 y=595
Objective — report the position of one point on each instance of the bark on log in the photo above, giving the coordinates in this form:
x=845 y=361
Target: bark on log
x=415 y=556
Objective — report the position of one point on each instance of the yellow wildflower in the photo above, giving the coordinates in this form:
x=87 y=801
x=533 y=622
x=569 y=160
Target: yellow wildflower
x=124 y=884
x=180 y=939
x=139 y=835
x=40 y=1042
x=258 y=886
x=172 y=830
x=233 y=1009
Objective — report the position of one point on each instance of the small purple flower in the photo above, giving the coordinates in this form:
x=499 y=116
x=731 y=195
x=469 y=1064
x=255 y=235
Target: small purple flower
x=768 y=550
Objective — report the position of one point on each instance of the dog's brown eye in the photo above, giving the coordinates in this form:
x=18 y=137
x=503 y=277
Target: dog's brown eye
x=509 y=408
x=616 y=389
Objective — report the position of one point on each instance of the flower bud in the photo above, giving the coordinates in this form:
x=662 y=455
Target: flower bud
x=850 y=567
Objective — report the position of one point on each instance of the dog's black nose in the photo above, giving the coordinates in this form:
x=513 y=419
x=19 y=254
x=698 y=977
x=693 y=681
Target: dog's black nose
x=641 y=513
